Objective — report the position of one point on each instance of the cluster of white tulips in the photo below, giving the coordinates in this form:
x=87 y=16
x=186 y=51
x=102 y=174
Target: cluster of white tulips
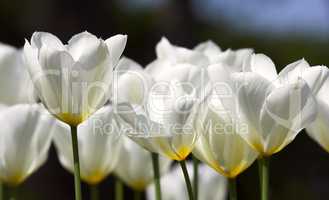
x=106 y=114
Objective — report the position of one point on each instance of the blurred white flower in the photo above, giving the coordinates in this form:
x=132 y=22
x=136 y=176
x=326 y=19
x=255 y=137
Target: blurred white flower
x=220 y=128
x=211 y=185
x=135 y=165
x=99 y=145
x=202 y=55
x=73 y=80
x=275 y=107
x=160 y=111
x=233 y=59
x=25 y=138
x=15 y=82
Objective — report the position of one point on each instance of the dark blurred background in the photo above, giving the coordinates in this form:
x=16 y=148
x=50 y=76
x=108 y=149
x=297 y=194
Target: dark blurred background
x=285 y=30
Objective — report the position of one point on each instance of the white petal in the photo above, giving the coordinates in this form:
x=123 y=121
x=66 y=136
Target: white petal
x=209 y=48
x=116 y=45
x=135 y=165
x=133 y=87
x=25 y=140
x=286 y=112
x=233 y=58
x=176 y=55
x=318 y=130
x=88 y=50
x=40 y=39
x=15 y=82
x=263 y=65
x=127 y=64
x=292 y=71
x=252 y=92
x=315 y=77
x=99 y=146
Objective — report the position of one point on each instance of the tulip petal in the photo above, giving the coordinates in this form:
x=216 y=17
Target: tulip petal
x=287 y=110
x=116 y=45
x=318 y=130
x=15 y=82
x=40 y=39
x=251 y=94
x=209 y=48
x=262 y=65
x=25 y=140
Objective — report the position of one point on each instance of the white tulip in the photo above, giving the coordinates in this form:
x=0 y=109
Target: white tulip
x=275 y=107
x=15 y=83
x=73 y=80
x=211 y=185
x=159 y=112
x=99 y=145
x=202 y=55
x=220 y=126
x=25 y=138
x=135 y=165
x=232 y=58
x=317 y=79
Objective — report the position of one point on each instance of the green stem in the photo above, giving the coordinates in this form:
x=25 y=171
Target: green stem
x=77 y=182
x=156 y=170
x=10 y=192
x=94 y=192
x=195 y=177
x=1 y=191
x=232 y=189
x=263 y=164
x=118 y=189
x=187 y=179
x=137 y=195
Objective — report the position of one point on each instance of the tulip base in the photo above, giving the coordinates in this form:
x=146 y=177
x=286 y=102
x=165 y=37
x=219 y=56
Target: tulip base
x=232 y=189
x=77 y=181
x=195 y=177
x=263 y=164
x=156 y=170
x=187 y=179
x=118 y=189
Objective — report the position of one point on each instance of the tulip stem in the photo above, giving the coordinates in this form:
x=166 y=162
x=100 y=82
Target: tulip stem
x=77 y=182
x=156 y=170
x=94 y=192
x=263 y=164
x=137 y=195
x=1 y=191
x=118 y=189
x=195 y=177
x=187 y=179
x=232 y=189
x=10 y=192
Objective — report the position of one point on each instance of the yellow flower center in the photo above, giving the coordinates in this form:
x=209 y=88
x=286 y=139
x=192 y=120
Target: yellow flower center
x=72 y=119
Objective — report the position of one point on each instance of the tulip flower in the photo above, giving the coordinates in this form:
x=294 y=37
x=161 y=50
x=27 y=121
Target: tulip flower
x=219 y=125
x=232 y=58
x=203 y=55
x=275 y=107
x=73 y=80
x=211 y=185
x=317 y=78
x=99 y=147
x=317 y=130
x=159 y=112
x=16 y=86
x=135 y=165
x=25 y=137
